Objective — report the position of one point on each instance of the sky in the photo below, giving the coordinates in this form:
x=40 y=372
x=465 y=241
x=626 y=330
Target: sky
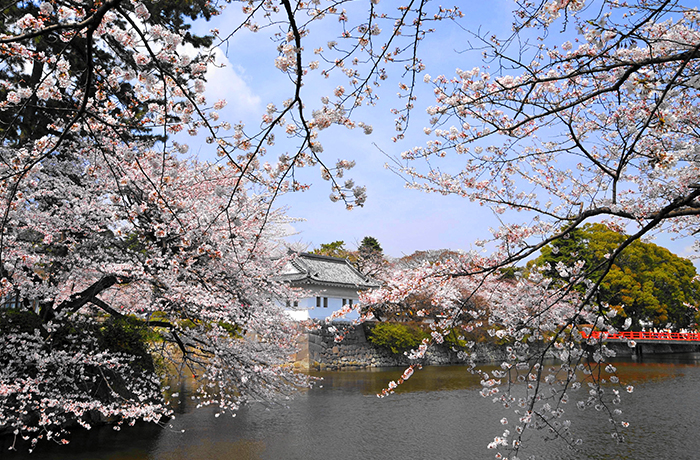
x=402 y=220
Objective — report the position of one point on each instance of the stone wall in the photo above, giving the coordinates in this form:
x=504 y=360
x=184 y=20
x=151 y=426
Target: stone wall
x=321 y=351
x=643 y=349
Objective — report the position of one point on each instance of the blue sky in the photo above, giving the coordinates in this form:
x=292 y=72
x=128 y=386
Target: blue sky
x=402 y=220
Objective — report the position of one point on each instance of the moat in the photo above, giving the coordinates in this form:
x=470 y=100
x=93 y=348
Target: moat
x=438 y=413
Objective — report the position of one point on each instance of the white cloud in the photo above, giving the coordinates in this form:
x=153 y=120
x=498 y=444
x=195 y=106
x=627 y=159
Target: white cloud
x=690 y=251
x=224 y=83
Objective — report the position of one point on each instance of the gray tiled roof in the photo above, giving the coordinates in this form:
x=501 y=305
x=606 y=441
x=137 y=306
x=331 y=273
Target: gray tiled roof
x=313 y=268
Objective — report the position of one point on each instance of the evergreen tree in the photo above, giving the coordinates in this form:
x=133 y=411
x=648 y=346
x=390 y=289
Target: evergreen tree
x=369 y=244
x=646 y=282
x=86 y=69
x=333 y=249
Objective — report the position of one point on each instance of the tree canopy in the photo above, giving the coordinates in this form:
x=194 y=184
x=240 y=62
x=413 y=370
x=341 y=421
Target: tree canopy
x=368 y=258
x=108 y=233
x=369 y=244
x=74 y=55
x=333 y=249
x=646 y=283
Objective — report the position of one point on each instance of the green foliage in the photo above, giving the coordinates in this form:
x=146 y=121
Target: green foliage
x=459 y=339
x=645 y=283
x=510 y=273
x=455 y=340
x=77 y=334
x=369 y=244
x=124 y=335
x=334 y=249
x=128 y=335
x=18 y=321
x=368 y=259
x=234 y=330
x=397 y=337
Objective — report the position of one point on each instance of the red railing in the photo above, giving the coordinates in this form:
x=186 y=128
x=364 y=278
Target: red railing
x=645 y=335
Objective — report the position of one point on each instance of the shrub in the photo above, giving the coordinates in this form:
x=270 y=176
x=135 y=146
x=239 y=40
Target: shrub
x=459 y=339
x=456 y=340
x=18 y=321
x=397 y=337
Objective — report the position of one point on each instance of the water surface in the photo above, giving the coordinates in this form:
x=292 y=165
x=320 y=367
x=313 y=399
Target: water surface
x=438 y=414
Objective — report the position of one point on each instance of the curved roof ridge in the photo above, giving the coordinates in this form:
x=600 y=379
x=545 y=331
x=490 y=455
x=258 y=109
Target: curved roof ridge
x=328 y=270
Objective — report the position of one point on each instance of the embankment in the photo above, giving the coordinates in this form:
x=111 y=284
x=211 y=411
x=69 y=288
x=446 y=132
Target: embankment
x=319 y=350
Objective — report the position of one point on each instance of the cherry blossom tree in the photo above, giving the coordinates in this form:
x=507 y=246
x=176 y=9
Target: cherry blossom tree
x=106 y=227
x=600 y=126
x=97 y=240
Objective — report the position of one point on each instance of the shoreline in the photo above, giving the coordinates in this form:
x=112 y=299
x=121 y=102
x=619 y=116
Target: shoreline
x=320 y=352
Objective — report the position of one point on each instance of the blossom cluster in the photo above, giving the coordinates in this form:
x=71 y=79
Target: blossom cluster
x=526 y=314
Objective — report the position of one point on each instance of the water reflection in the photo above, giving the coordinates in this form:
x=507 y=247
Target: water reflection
x=438 y=414
x=433 y=378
